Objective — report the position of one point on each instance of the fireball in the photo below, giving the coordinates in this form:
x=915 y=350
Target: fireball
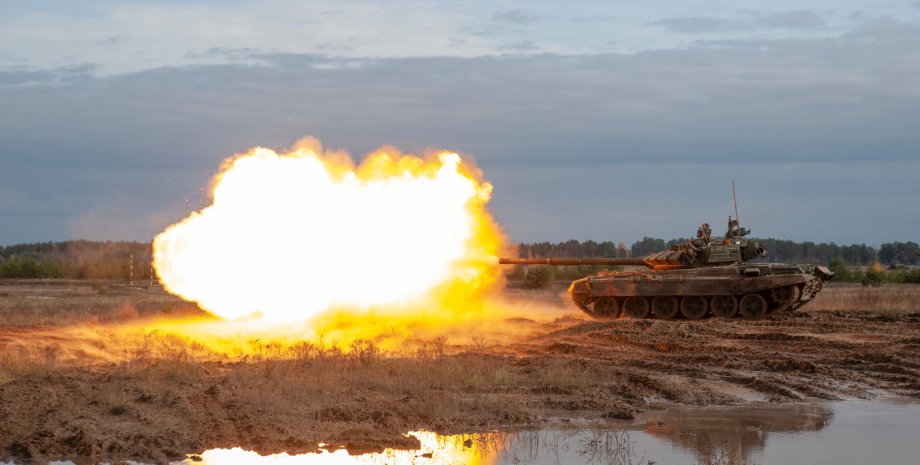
x=290 y=236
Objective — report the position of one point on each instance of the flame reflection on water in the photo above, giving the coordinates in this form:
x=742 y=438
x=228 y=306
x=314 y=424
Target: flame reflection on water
x=435 y=450
x=600 y=446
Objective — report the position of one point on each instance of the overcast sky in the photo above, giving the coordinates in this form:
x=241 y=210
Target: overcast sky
x=596 y=120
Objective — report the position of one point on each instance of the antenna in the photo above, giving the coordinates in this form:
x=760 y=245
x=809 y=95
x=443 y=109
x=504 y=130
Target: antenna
x=735 y=201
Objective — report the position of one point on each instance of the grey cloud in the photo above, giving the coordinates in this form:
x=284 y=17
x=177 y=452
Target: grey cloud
x=19 y=76
x=341 y=48
x=886 y=30
x=881 y=34
x=232 y=54
x=594 y=19
x=514 y=16
x=699 y=24
x=112 y=40
x=304 y=61
x=595 y=128
x=747 y=20
x=76 y=72
x=794 y=19
x=22 y=77
x=523 y=46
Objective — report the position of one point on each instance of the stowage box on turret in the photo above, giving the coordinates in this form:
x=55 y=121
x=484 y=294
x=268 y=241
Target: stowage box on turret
x=704 y=277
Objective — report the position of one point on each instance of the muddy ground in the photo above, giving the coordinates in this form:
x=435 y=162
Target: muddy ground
x=165 y=403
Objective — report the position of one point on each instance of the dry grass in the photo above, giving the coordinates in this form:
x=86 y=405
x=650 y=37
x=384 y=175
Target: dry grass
x=439 y=384
x=887 y=298
x=61 y=303
x=312 y=374
x=359 y=395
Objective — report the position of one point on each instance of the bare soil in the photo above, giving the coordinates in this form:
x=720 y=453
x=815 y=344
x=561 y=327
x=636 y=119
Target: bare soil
x=163 y=400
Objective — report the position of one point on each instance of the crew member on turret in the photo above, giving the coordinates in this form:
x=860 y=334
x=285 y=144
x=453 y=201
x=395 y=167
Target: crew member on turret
x=704 y=232
x=733 y=228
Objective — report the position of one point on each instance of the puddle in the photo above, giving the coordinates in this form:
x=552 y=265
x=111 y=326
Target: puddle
x=833 y=433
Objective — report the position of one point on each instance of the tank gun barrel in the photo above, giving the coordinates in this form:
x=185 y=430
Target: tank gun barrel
x=555 y=261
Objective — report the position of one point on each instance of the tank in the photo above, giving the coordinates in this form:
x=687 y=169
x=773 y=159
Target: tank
x=705 y=277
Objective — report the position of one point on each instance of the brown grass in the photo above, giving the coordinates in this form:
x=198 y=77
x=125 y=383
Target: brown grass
x=439 y=383
x=887 y=298
x=360 y=396
x=60 y=303
x=307 y=371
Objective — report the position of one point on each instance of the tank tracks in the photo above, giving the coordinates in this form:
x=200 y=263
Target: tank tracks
x=750 y=306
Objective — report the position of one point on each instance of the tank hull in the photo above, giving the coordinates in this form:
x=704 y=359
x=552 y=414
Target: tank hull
x=699 y=292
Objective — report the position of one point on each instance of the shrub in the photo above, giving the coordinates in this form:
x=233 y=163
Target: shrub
x=540 y=277
x=912 y=276
x=28 y=268
x=840 y=269
x=517 y=273
x=873 y=277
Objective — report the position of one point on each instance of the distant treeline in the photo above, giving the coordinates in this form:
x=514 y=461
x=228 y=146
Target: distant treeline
x=115 y=260
x=76 y=260
x=891 y=253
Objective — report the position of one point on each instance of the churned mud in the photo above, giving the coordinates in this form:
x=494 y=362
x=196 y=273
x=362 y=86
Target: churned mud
x=164 y=398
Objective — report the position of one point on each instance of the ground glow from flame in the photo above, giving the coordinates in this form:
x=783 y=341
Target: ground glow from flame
x=296 y=236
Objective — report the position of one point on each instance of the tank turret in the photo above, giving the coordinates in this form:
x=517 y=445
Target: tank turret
x=696 y=253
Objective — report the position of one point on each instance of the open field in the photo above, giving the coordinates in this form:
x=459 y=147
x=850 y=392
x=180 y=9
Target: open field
x=74 y=383
x=65 y=302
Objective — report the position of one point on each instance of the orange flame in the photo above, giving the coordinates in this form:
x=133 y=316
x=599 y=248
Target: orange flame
x=293 y=236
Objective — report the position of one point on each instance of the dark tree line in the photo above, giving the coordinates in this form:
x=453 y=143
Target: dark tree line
x=573 y=248
x=76 y=260
x=893 y=253
x=113 y=260
x=904 y=253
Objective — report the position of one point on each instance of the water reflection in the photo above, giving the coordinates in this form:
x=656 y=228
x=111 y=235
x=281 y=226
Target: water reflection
x=736 y=436
x=592 y=446
x=710 y=436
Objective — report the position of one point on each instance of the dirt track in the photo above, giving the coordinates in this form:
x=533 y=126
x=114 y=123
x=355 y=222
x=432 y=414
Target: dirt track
x=155 y=410
x=823 y=355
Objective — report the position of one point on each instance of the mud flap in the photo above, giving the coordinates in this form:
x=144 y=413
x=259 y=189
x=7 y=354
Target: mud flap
x=581 y=295
x=825 y=271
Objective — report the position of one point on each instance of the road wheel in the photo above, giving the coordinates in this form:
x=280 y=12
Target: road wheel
x=606 y=308
x=665 y=308
x=581 y=301
x=785 y=295
x=636 y=307
x=693 y=307
x=725 y=306
x=753 y=307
